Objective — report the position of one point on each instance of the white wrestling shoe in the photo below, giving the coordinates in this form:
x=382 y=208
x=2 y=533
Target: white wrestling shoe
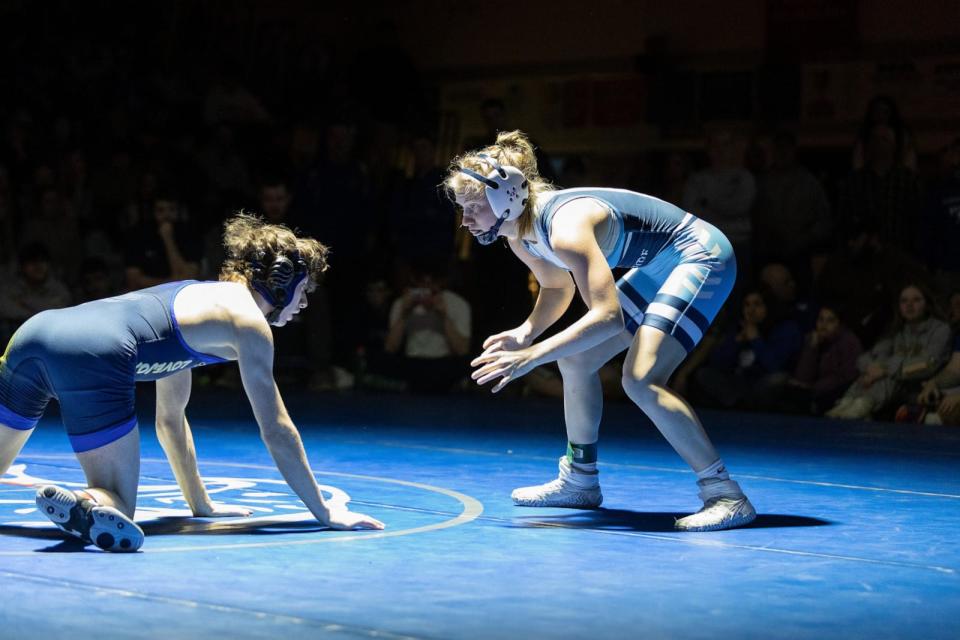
x=724 y=507
x=105 y=527
x=572 y=488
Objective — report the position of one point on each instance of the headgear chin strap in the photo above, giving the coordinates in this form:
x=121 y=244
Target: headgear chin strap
x=278 y=281
x=507 y=191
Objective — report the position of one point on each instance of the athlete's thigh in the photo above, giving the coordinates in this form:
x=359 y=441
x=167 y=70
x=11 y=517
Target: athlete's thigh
x=653 y=355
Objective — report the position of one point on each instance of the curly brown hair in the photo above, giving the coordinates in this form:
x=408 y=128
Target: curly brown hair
x=246 y=237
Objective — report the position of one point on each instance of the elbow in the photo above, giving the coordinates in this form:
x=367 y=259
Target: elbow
x=612 y=321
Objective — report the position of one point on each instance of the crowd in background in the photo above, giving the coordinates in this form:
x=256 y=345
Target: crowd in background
x=121 y=157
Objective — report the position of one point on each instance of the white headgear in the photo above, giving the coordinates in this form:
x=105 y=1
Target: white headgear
x=507 y=191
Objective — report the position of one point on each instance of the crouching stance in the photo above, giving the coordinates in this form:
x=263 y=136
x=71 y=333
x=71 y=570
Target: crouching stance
x=90 y=357
x=681 y=271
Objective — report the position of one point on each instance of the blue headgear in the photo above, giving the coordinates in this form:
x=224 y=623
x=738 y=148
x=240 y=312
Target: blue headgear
x=506 y=189
x=278 y=280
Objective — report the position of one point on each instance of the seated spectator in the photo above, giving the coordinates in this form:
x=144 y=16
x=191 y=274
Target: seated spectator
x=941 y=393
x=429 y=335
x=777 y=281
x=747 y=368
x=33 y=289
x=164 y=248
x=915 y=348
x=827 y=365
x=865 y=274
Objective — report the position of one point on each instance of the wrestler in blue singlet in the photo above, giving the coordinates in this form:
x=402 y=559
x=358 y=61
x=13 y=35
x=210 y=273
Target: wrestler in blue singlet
x=89 y=358
x=681 y=268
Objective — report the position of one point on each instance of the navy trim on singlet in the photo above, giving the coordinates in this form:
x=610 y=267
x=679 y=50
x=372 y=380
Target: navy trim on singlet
x=16 y=421
x=89 y=441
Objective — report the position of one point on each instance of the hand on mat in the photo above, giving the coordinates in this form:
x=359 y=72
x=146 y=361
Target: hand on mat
x=214 y=510
x=507 y=340
x=344 y=520
x=506 y=365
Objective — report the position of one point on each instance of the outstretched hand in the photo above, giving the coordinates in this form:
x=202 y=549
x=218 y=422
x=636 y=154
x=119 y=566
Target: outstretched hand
x=506 y=365
x=511 y=340
x=345 y=520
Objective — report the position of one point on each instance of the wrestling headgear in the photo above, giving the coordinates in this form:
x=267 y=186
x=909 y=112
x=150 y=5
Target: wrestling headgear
x=506 y=189
x=277 y=281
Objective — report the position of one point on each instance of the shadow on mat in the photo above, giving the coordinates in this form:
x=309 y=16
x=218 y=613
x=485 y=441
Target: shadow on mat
x=232 y=526
x=61 y=543
x=650 y=521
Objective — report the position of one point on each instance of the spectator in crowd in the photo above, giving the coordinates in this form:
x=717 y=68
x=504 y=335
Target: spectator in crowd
x=165 y=247
x=865 y=273
x=723 y=194
x=33 y=289
x=792 y=213
x=917 y=345
x=827 y=365
x=942 y=392
x=777 y=281
x=883 y=191
x=749 y=367
x=882 y=110
x=429 y=333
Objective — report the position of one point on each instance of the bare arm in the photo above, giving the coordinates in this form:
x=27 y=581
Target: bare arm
x=574 y=242
x=255 y=348
x=553 y=299
x=175 y=437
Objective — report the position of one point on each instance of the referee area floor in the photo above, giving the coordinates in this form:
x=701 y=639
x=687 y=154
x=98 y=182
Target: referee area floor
x=857 y=535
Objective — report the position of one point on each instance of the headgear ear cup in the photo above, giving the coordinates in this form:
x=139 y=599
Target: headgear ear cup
x=507 y=191
x=277 y=282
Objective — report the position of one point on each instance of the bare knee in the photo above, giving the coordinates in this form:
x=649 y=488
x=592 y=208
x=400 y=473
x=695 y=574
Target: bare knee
x=643 y=391
x=575 y=366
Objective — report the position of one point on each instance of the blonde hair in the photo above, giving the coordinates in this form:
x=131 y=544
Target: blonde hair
x=512 y=148
x=246 y=237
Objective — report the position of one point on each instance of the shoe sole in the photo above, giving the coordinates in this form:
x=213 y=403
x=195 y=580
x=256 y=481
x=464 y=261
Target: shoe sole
x=105 y=527
x=113 y=531
x=61 y=507
x=739 y=520
x=586 y=504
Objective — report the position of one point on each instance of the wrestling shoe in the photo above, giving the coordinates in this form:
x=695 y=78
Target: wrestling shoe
x=724 y=507
x=572 y=488
x=105 y=527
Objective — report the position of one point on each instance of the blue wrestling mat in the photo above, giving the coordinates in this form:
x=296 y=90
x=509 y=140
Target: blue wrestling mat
x=856 y=538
